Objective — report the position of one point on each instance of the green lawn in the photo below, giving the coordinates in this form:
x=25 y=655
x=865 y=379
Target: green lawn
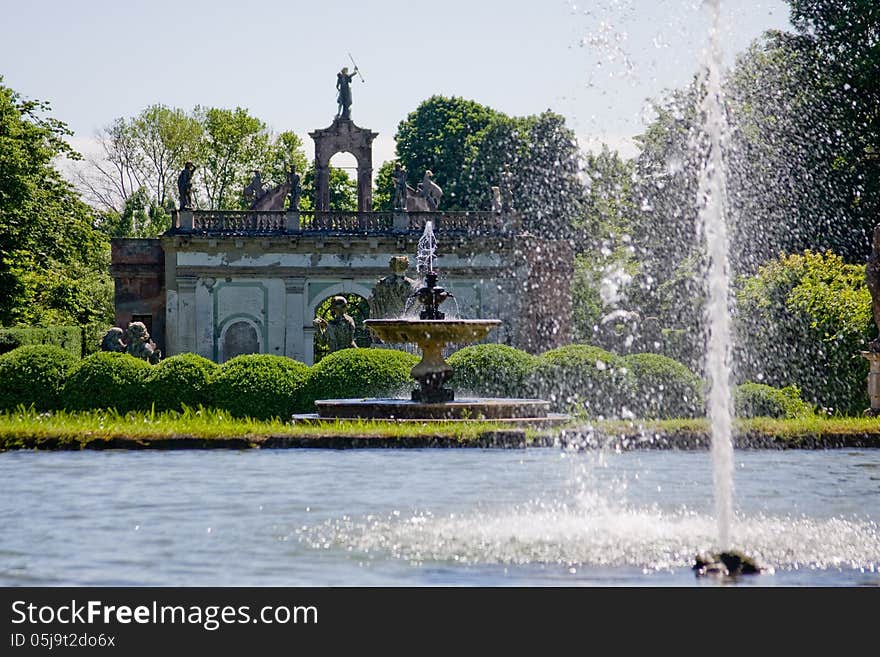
x=200 y=428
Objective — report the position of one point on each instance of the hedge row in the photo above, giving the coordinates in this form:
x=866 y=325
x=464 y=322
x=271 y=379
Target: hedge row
x=574 y=378
x=76 y=340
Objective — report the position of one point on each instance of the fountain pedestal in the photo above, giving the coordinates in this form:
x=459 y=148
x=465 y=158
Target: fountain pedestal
x=873 y=359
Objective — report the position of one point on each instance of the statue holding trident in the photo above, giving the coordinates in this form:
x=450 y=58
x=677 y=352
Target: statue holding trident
x=343 y=86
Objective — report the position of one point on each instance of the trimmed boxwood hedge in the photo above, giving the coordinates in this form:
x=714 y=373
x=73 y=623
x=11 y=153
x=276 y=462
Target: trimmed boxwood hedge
x=663 y=387
x=261 y=386
x=180 y=381
x=68 y=338
x=353 y=373
x=583 y=378
x=34 y=374
x=107 y=380
x=491 y=370
x=760 y=400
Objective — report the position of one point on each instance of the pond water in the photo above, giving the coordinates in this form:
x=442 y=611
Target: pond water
x=533 y=517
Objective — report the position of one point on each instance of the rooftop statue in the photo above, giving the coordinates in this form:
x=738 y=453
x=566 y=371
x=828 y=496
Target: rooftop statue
x=184 y=186
x=255 y=189
x=400 y=187
x=295 y=189
x=426 y=197
x=343 y=96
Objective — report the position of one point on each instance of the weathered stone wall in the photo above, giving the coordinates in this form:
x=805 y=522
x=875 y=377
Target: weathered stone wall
x=138 y=270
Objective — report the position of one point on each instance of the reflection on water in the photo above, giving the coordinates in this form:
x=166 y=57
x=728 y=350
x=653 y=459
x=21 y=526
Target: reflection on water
x=429 y=517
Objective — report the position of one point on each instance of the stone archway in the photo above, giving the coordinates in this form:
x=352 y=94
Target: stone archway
x=344 y=136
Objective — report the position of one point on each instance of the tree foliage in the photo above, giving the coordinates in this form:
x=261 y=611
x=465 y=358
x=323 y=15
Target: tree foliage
x=53 y=264
x=134 y=181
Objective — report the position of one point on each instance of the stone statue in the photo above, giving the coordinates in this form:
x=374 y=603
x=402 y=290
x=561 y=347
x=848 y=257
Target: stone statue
x=112 y=340
x=343 y=97
x=506 y=189
x=139 y=343
x=295 y=193
x=496 y=199
x=339 y=332
x=426 y=197
x=391 y=292
x=255 y=190
x=400 y=187
x=872 y=277
x=184 y=186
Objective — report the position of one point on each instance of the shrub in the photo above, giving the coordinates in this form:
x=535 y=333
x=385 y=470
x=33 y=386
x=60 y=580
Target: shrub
x=261 y=386
x=664 y=388
x=107 y=380
x=352 y=373
x=178 y=381
x=802 y=320
x=492 y=370
x=761 y=400
x=581 y=377
x=34 y=374
x=68 y=338
x=92 y=334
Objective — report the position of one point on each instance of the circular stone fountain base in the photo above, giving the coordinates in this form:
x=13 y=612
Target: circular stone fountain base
x=459 y=409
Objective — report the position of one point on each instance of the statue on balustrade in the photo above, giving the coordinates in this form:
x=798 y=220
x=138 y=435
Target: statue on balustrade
x=339 y=332
x=400 y=187
x=184 y=186
x=295 y=193
x=255 y=189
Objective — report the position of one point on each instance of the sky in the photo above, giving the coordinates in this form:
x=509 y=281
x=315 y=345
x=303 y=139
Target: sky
x=597 y=63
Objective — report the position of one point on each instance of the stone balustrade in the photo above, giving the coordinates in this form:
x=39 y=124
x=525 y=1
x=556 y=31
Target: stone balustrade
x=253 y=222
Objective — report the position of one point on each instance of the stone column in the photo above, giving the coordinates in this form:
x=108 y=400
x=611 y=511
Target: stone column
x=186 y=314
x=294 y=320
x=308 y=345
x=365 y=188
x=322 y=189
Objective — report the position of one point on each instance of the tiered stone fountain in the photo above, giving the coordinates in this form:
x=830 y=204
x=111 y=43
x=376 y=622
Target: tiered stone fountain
x=432 y=332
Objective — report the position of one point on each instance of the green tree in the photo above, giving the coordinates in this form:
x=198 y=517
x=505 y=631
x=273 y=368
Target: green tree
x=383 y=193
x=434 y=137
x=343 y=190
x=233 y=144
x=802 y=320
x=53 y=262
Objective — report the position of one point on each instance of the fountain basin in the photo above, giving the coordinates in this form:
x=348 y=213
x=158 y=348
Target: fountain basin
x=431 y=335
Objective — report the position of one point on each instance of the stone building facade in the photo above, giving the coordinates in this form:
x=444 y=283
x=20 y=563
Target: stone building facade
x=224 y=295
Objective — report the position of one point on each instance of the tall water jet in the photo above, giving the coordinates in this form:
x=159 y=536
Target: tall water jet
x=712 y=196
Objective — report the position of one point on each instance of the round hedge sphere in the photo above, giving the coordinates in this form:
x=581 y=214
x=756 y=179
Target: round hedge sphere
x=358 y=373
x=760 y=400
x=107 y=380
x=664 y=388
x=180 y=381
x=34 y=374
x=491 y=370
x=583 y=379
x=261 y=386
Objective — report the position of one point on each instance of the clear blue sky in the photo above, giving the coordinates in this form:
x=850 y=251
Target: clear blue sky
x=595 y=62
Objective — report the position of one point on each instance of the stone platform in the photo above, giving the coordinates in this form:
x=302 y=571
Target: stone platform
x=491 y=409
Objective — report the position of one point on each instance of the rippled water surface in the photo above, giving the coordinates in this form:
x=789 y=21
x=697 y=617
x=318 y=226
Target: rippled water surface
x=429 y=517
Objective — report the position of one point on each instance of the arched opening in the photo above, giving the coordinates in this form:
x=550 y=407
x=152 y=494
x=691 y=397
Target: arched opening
x=239 y=337
x=358 y=309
